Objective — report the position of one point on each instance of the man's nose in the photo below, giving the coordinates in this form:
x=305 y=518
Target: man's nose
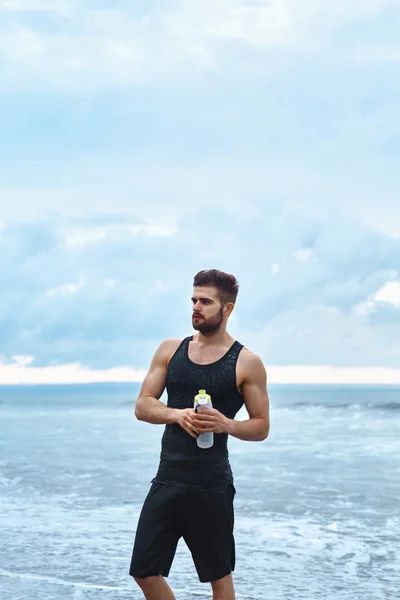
x=196 y=307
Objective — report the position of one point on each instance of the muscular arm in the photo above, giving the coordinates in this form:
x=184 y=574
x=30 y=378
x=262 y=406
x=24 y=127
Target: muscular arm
x=254 y=391
x=149 y=407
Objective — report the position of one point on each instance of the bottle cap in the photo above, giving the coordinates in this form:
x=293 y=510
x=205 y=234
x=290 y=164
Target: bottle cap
x=202 y=392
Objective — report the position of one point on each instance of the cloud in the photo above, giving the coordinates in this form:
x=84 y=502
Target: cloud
x=80 y=236
x=96 y=49
x=152 y=106
x=379 y=54
x=258 y=24
x=69 y=288
x=389 y=293
x=92 y=47
x=386 y=298
x=20 y=372
x=109 y=301
x=59 y=6
x=261 y=137
x=327 y=375
x=303 y=254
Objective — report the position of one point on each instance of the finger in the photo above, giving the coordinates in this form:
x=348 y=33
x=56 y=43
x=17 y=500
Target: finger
x=192 y=433
x=205 y=420
x=191 y=419
x=205 y=415
x=205 y=426
x=205 y=430
x=187 y=426
x=191 y=425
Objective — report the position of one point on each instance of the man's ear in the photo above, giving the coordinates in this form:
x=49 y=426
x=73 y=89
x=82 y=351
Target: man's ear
x=228 y=309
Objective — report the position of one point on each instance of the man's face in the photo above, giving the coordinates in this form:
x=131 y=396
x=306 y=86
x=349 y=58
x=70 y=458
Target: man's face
x=208 y=313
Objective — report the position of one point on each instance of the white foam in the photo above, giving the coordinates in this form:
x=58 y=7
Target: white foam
x=62 y=582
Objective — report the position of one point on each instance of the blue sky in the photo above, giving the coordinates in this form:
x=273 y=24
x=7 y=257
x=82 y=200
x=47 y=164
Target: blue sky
x=141 y=142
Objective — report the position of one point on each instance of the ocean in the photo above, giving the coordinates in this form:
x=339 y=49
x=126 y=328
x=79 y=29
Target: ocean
x=317 y=504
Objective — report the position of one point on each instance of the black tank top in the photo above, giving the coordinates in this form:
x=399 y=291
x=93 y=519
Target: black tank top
x=182 y=462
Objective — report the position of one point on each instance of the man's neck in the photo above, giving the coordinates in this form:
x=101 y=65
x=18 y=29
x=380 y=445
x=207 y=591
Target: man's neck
x=220 y=338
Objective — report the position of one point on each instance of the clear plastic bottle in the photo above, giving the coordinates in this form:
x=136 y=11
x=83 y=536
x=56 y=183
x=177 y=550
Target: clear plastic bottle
x=202 y=401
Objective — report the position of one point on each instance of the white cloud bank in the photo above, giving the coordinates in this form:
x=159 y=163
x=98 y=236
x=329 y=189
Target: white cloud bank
x=20 y=372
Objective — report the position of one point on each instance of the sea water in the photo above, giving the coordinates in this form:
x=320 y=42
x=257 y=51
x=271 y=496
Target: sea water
x=317 y=504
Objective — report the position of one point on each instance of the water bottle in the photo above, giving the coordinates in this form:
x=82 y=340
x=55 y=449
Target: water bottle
x=203 y=402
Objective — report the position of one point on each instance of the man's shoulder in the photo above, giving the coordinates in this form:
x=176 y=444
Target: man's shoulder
x=169 y=346
x=171 y=342
x=249 y=360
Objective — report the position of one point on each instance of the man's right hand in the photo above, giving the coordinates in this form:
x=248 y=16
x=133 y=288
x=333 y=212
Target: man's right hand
x=185 y=418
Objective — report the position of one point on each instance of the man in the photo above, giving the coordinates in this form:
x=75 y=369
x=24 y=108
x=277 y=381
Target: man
x=192 y=494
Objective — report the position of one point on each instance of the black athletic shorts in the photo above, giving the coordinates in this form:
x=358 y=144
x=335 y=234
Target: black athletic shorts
x=205 y=520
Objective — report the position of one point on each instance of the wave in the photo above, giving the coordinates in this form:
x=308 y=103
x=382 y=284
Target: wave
x=63 y=582
x=383 y=398
x=389 y=406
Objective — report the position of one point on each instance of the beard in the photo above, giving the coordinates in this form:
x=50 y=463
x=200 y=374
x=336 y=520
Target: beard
x=210 y=326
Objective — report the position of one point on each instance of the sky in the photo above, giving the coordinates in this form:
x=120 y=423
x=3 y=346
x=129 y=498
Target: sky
x=143 y=141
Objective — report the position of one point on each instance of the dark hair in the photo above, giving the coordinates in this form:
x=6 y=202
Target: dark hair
x=226 y=284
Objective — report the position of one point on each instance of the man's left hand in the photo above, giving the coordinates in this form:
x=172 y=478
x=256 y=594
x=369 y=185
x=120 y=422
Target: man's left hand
x=210 y=419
